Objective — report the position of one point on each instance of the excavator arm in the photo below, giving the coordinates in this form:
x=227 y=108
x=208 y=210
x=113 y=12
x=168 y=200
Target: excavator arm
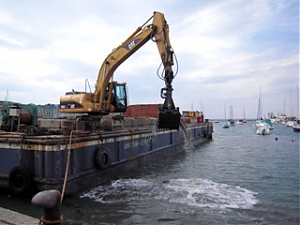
x=103 y=100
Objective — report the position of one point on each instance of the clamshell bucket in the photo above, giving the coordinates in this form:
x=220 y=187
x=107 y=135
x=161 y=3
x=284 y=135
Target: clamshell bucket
x=168 y=118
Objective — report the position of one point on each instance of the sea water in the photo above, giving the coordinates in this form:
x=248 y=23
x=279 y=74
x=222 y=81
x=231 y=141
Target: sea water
x=237 y=178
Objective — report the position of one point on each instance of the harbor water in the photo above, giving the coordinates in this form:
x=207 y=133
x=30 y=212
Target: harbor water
x=237 y=178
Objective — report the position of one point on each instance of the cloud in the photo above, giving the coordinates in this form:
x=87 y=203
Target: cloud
x=225 y=51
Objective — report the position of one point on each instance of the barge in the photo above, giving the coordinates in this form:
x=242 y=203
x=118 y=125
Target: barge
x=76 y=154
x=95 y=141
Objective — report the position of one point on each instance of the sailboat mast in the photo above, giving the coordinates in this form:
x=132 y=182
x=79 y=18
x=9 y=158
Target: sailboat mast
x=298 y=115
x=225 y=110
x=259 y=112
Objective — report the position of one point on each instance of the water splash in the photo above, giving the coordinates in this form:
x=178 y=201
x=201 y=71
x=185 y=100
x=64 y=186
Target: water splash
x=122 y=190
x=206 y=193
x=187 y=140
x=196 y=192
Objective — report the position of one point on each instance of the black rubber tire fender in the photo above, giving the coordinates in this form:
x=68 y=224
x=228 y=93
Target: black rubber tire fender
x=20 y=180
x=102 y=158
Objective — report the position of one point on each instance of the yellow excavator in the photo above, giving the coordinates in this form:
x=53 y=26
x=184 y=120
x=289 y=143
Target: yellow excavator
x=110 y=96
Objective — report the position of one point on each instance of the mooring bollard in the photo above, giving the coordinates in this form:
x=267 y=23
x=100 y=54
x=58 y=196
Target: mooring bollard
x=50 y=201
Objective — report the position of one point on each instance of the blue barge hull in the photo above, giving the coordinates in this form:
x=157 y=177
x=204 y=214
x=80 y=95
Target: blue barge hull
x=39 y=162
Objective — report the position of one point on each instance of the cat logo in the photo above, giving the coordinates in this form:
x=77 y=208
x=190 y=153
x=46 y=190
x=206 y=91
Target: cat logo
x=131 y=44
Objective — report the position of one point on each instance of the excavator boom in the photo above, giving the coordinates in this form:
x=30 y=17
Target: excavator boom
x=106 y=97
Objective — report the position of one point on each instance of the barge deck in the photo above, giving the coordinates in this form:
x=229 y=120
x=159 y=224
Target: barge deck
x=75 y=155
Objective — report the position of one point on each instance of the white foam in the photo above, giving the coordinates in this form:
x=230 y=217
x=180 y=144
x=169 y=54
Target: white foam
x=131 y=183
x=117 y=191
x=206 y=193
x=195 y=192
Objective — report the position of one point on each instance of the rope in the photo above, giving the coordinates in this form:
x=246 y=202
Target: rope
x=67 y=166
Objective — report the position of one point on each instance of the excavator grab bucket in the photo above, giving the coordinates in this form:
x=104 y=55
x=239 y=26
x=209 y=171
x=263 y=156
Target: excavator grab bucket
x=168 y=118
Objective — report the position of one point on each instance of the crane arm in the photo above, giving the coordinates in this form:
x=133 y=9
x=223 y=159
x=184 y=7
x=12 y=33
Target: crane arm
x=115 y=59
x=159 y=32
x=105 y=98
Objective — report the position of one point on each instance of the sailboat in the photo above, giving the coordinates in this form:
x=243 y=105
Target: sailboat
x=262 y=126
x=241 y=121
x=225 y=125
x=231 y=121
x=296 y=126
x=259 y=111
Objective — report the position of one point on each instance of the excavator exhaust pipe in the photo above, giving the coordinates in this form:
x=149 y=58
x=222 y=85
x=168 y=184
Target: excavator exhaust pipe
x=168 y=118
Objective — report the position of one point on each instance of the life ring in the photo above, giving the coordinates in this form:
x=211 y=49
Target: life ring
x=20 y=180
x=102 y=158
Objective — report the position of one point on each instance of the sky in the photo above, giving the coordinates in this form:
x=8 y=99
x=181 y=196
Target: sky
x=229 y=52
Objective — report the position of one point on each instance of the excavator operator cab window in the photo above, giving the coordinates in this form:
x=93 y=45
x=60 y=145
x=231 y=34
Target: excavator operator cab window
x=119 y=97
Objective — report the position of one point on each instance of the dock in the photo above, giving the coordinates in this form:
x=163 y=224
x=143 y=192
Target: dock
x=14 y=218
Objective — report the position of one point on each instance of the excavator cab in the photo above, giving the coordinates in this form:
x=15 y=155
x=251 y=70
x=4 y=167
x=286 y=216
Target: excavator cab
x=168 y=115
x=118 y=96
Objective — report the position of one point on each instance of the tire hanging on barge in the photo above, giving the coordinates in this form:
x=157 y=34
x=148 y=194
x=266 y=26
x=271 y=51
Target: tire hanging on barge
x=102 y=158
x=20 y=180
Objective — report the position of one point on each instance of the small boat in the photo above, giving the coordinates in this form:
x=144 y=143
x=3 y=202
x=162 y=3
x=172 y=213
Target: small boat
x=240 y=122
x=289 y=123
x=226 y=125
x=296 y=126
x=263 y=128
x=269 y=122
x=259 y=122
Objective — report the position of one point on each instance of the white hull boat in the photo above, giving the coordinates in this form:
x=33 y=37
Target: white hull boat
x=263 y=129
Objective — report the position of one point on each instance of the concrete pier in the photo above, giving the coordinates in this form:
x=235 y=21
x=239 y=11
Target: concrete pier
x=14 y=218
